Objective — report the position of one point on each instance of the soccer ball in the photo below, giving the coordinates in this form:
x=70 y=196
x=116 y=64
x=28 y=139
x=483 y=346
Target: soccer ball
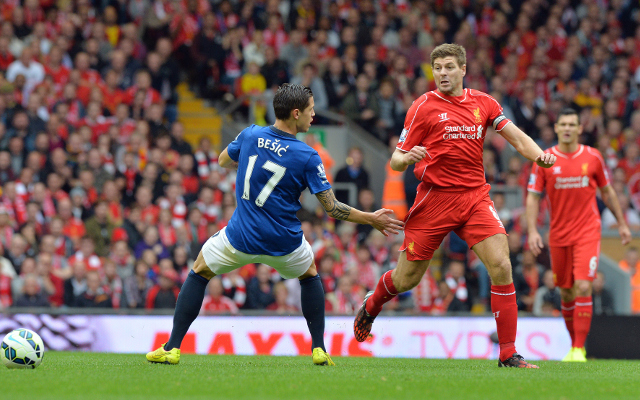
x=21 y=348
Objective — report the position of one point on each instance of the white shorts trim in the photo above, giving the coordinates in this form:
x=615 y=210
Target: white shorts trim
x=221 y=257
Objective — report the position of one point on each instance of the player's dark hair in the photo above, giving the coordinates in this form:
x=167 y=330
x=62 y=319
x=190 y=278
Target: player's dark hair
x=569 y=111
x=450 y=50
x=289 y=97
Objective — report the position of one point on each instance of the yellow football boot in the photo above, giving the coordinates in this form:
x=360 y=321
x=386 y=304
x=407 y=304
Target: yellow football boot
x=579 y=354
x=320 y=357
x=162 y=356
x=569 y=356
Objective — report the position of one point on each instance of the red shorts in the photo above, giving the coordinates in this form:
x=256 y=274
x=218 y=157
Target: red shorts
x=576 y=262
x=435 y=213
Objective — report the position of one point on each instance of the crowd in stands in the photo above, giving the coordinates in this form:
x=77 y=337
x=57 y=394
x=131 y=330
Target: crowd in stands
x=104 y=203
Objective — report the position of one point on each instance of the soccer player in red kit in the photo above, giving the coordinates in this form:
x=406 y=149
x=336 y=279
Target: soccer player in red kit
x=443 y=136
x=574 y=235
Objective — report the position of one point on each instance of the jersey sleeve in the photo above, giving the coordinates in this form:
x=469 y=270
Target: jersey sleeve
x=602 y=174
x=234 y=147
x=536 y=180
x=496 y=116
x=315 y=176
x=414 y=125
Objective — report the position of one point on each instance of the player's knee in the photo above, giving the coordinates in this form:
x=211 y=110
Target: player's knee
x=405 y=281
x=583 y=288
x=500 y=272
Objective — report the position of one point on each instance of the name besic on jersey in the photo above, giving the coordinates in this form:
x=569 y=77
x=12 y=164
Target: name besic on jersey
x=458 y=132
x=274 y=146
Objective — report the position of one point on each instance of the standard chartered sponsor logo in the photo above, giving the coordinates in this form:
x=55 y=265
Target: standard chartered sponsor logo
x=462 y=132
x=571 y=182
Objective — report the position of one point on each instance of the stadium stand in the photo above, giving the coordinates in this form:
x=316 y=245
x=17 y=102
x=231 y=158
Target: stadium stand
x=110 y=126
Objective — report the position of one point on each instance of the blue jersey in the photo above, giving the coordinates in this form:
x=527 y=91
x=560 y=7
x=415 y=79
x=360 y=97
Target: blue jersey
x=274 y=168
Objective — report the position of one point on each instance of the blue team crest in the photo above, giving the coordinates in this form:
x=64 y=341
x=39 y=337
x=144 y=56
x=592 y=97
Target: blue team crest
x=403 y=136
x=322 y=173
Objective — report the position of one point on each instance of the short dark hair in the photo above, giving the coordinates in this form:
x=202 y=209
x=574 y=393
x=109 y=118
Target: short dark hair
x=289 y=97
x=568 y=111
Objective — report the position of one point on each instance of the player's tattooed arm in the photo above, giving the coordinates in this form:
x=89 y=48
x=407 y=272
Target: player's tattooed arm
x=332 y=206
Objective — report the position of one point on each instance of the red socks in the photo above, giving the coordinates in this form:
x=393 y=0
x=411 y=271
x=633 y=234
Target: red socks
x=567 y=314
x=582 y=319
x=385 y=291
x=505 y=311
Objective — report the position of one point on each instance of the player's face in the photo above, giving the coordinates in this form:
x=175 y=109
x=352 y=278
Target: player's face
x=568 y=129
x=305 y=117
x=448 y=75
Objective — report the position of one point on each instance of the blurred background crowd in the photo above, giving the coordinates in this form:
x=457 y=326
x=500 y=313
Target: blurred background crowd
x=105 y=204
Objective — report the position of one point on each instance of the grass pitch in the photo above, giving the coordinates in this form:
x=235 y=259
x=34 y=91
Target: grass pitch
x=78 y=375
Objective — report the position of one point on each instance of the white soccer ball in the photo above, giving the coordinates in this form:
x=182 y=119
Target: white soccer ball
x=21 y=348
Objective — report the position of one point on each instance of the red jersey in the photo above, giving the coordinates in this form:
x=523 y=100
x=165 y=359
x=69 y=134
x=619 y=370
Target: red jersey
x=452 y=129
x=571 y=186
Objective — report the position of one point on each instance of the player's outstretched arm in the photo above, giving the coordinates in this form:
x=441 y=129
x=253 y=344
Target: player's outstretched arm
x=534 y=238
x=526 y=146
x=225 y=161
x=400 y=160
x=610 y=198
x=379 y=219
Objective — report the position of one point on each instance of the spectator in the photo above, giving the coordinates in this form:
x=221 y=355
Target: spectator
x=215 y=302
x=342 y=300
x=527 y=278
x=32 y=295
x=137 y=286
x=100 y=229
x=548 y=295
x=354 y=172
x=309 y=78
x=113 y=283
x=364 y=268
x=391 y=111
x=361 y=105
x=281 y=295
x=455 y=280
x=151 y=240
x=631 y=216
x=52 y=280
x=235 y=287
x=75 y=286
x=260 y=289
x=32 y=70
x=274 y=70
x=165 y=293
x=602 y=300
x=17 y=252
x=294 y=51
x=95 y=296
x=336 y=83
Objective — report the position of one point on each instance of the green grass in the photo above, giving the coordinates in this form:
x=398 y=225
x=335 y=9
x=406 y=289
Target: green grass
x=65 y=375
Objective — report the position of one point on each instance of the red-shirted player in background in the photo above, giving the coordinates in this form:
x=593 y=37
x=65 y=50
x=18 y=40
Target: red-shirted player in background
x=574 y=235
x=443 y=135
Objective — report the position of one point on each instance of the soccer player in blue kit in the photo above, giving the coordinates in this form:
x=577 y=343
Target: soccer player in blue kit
x=273 y=169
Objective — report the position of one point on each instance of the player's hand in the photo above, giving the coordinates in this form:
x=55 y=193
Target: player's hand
x=625 y=234
x=535 y=243
x=383 y=222
x=414 y=155
x=545 y=160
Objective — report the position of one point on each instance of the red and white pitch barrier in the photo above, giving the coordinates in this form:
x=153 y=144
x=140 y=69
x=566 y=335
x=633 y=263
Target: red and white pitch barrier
x=416 y=337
